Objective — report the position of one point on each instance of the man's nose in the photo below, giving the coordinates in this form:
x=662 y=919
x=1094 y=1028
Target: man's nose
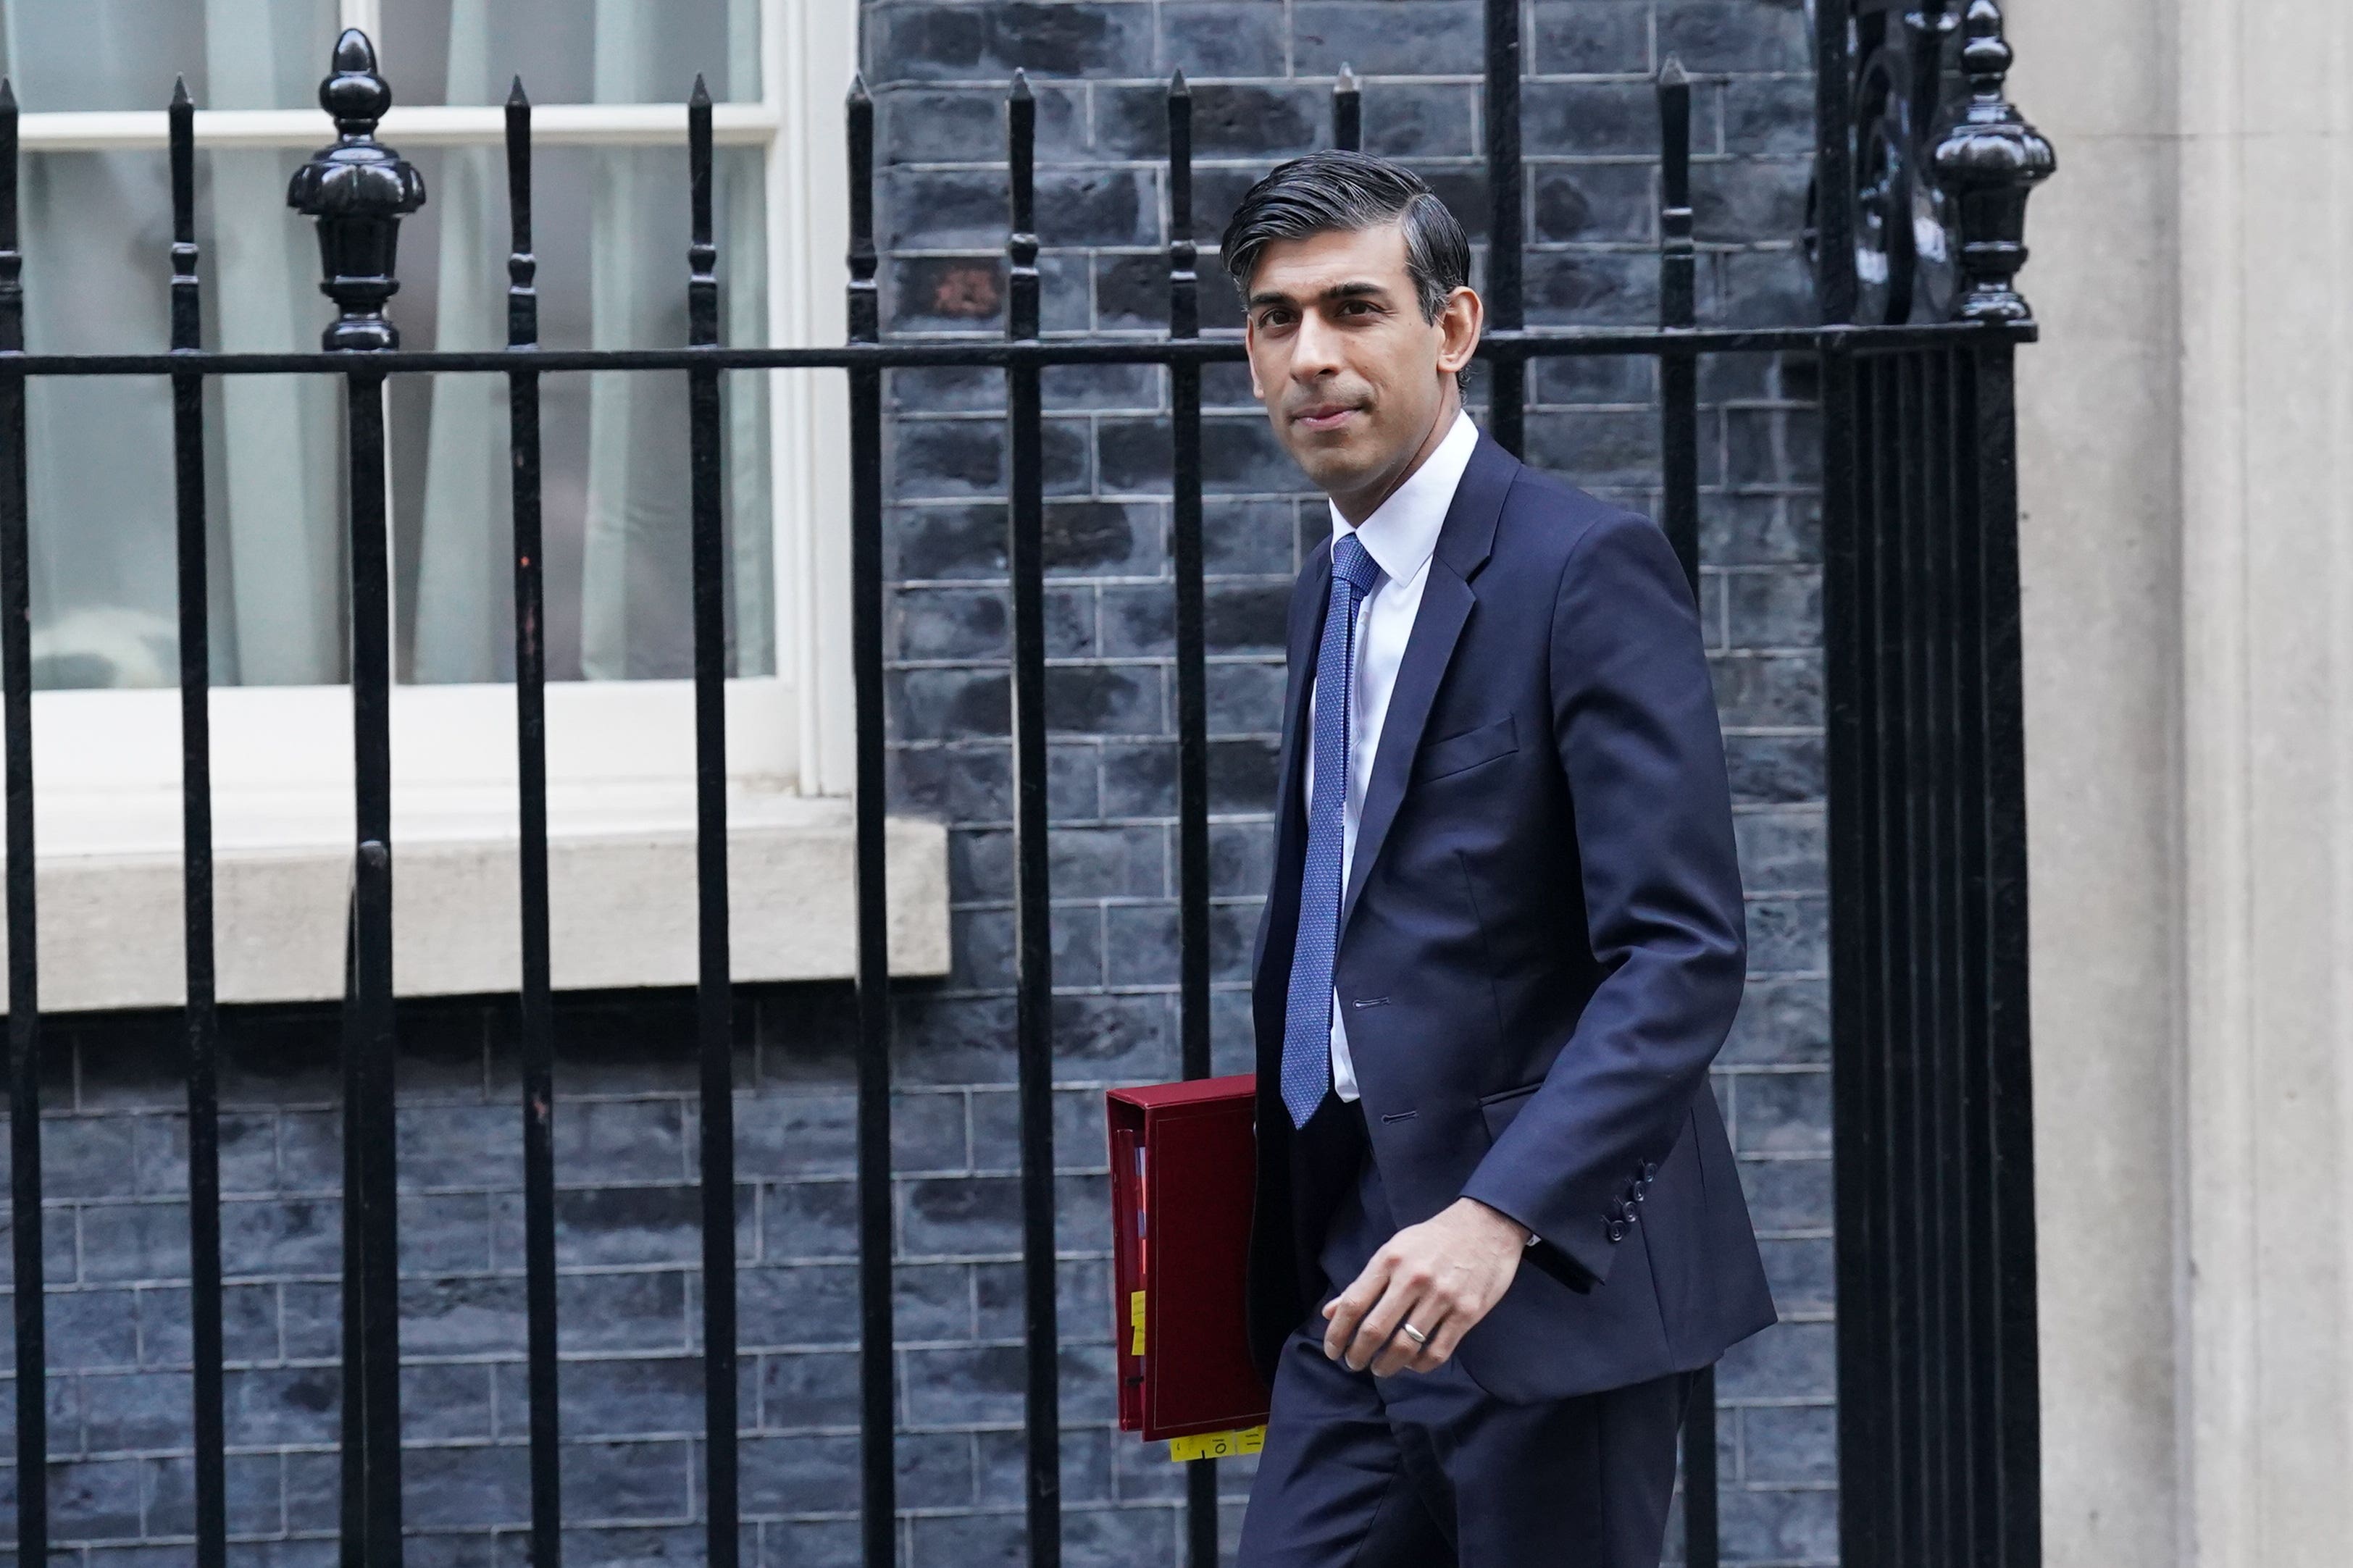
x=1315 y=349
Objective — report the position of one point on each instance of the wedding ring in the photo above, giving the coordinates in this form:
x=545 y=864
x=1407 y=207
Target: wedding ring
x=1416 y=1334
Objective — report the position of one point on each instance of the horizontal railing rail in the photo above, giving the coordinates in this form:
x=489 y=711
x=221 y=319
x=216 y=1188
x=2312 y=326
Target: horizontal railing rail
x=1564 y=342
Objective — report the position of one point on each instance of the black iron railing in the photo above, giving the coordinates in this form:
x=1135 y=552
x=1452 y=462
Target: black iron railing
x=1936 y=1244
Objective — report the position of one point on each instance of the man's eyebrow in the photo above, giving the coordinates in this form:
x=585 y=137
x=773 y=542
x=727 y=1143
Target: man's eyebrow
x=1354 y=289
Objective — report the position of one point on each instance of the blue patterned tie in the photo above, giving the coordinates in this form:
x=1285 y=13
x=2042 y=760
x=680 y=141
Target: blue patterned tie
x=1307 y=1015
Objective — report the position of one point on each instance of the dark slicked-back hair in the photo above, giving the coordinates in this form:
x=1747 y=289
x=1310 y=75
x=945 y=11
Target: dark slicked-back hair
x=1325 y=192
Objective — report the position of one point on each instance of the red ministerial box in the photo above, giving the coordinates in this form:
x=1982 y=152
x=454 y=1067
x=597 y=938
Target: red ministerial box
x=1183 y=1158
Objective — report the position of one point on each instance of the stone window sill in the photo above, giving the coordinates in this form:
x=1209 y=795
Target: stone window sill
x=622 y=893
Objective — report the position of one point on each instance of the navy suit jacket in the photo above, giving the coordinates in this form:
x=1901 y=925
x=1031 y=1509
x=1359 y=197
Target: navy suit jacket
x=1542 y=945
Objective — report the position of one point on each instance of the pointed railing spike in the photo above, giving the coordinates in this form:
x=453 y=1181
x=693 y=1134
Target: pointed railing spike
x=1184 y=301
x=516 y=97
x=179 y=91
x=864 y=299
x=1021 y=86
x=1347 y=111
x=700 y=97
x=1678 y=263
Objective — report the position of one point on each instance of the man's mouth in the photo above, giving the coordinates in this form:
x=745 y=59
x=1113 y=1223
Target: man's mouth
x=1324 y=416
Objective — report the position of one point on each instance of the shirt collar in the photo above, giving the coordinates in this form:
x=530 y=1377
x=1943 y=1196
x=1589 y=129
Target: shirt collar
x=1403 y=534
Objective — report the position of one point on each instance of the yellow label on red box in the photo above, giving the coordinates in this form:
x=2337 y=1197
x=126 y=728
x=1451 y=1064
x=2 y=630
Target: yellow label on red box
x=1136 y=1323
x=1217 y=1445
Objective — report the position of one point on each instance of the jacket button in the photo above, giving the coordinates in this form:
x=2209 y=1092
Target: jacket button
x=1637 y=1194
x=1649 y=1169
x=1617 y=1230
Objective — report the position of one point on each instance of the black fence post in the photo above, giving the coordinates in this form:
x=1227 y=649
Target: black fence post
x=1859 y=1145
x=1192 y=697
x=359 y=190
x=537 y=1010
x=714 y=989
x=200 y=1020
x=1679 y=520
x=1507 y=368
x=1032 y=916
x=878 y=1404
x=24 y=961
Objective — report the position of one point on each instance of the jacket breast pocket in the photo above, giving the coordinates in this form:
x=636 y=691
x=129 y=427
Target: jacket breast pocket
x=1459 y=753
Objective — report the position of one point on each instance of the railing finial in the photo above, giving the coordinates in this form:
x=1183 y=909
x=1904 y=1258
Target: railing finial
x=1991 y=161
x=358 y=190
x=353 y=93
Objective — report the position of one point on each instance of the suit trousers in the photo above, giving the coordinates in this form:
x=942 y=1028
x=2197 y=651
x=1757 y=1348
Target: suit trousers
x=1427 y=1469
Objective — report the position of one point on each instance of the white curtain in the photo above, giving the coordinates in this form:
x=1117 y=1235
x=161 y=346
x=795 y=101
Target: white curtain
x=97 y=229
x=635 y=577
x=97 y=267
x=278 y=444
x=464 y=607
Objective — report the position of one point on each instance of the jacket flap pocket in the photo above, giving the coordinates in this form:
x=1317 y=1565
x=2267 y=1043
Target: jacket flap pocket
x=1499 y=1109
x=1454 y=754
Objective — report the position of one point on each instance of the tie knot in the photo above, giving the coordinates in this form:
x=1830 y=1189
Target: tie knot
x=1352 y=561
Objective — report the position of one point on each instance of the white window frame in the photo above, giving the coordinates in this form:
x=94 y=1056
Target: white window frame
x=108 y=762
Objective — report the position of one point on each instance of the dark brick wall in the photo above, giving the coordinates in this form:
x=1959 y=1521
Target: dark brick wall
x=115 y=1139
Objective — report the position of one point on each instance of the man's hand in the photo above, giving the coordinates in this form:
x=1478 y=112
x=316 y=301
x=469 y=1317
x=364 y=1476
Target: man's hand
x=1441 y=1276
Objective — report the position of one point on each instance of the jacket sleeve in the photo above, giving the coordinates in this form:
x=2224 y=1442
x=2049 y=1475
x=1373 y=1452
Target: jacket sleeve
x=1634 y=722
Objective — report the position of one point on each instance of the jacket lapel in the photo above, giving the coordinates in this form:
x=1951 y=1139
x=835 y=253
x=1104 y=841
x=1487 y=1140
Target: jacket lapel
x=1464 y=542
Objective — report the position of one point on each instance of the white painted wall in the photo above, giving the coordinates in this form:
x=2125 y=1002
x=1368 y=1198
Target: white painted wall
x=2188 y=548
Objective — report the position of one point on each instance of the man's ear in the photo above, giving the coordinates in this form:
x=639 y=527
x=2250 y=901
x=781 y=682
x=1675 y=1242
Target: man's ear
x=1460 y=321
x=1250 y=348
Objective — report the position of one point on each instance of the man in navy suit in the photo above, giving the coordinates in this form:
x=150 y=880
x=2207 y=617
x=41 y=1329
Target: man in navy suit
x=1498 y=1228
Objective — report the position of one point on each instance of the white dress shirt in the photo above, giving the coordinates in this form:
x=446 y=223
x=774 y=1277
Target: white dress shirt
x=1400 y=536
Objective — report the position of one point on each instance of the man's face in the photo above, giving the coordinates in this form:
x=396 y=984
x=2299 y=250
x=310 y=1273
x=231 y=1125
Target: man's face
x=1353 y=376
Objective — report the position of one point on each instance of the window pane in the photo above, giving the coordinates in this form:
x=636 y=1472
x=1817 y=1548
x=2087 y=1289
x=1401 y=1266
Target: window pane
x=571 y=51
x=123 y=54
x=610 y=227
x=97 y=236
x=611 y=239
